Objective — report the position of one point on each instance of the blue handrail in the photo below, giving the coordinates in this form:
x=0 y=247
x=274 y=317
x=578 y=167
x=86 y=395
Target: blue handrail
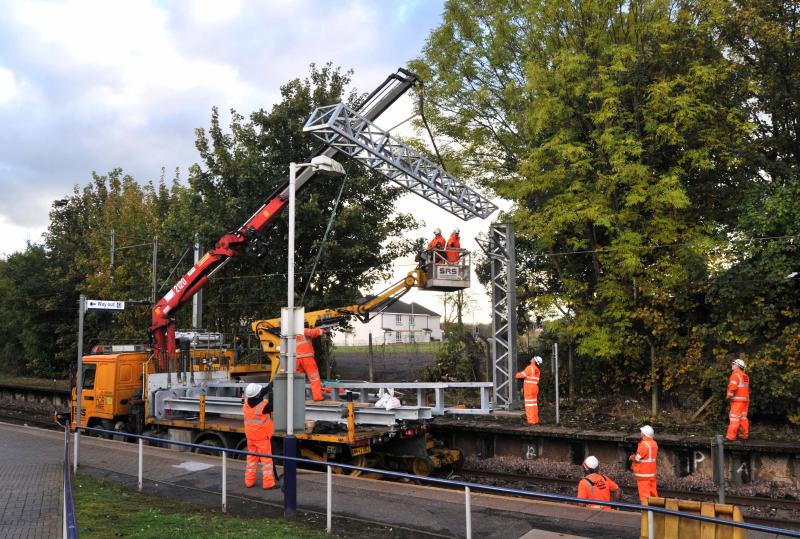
x=71 y=526
x=472 y=486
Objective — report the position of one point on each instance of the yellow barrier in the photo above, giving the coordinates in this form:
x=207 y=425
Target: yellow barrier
x=674 y=527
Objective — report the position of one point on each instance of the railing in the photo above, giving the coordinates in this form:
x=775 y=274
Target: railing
x=69 y=526
x=466 y=486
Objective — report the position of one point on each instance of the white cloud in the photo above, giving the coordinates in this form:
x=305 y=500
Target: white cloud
x=92 y=85
x=8 y=85
x=215 y=11
x=14 y=237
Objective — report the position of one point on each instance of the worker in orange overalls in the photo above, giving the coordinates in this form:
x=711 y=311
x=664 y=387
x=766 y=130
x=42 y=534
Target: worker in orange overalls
x=739 y=396
x=595 y=486
x=436 y=246
x=258 y=429
x=530 y=390
x=453 y=246
x=306 y=362
x=644 y=464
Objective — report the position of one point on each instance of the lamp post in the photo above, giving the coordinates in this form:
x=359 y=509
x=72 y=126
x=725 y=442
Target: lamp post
x=325 y=166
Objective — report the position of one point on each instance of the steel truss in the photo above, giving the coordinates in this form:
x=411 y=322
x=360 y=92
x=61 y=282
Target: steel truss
x=500 y=250
x=340 y=127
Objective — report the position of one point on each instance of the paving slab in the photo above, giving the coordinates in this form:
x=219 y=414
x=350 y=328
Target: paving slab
x=31 y=472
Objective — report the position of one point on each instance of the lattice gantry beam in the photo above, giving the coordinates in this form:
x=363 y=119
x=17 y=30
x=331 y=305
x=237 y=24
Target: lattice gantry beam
x=342 y=128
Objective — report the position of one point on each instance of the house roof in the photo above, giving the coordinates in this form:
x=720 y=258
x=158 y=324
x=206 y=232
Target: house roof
x=401 y=307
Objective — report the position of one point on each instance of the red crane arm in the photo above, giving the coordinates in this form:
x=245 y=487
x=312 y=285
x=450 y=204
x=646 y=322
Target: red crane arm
x=163 y=327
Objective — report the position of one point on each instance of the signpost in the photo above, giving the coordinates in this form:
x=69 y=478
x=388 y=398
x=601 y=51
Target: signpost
x=83 y=306
x=104 y=305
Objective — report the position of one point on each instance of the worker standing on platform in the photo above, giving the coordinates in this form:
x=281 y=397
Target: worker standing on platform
x=530 y=390
x=644 y=464
x=436 y=246
x=453 y=247
x=258 y=429
x=306 y=363
x=739 y=396
x=595 y=486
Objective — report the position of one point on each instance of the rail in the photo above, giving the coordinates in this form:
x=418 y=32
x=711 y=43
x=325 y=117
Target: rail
x=466 y=486
x=69 y=524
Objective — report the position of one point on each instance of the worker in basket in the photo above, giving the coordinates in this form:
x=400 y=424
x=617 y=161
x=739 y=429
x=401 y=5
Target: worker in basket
x=596 y=486
x=258 y=429
x=436 y=247
x=453 y=253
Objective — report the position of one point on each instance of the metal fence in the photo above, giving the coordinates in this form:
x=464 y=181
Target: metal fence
x=466 y=486
x=69 y=526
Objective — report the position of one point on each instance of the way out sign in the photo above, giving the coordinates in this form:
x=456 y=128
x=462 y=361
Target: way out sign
x=104 y=305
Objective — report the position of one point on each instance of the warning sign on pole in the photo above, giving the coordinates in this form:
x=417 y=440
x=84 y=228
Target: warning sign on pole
x=104 y=305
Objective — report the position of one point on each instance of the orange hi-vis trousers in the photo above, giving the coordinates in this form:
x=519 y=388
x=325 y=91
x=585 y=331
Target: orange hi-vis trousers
x=531 y=394
x=308 y=366
x=739 y=424
x=647 y=488
x=250 y=470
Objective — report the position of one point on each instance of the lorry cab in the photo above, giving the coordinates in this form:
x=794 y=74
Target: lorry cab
x=110 y=383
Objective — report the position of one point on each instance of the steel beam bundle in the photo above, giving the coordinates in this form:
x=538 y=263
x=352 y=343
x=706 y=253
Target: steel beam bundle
x=340 y=127
x=318 y=412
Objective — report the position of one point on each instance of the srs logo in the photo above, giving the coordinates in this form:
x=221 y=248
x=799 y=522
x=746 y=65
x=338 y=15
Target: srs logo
x=447 y=272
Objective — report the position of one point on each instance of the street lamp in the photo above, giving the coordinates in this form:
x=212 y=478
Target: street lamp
x=325 y=166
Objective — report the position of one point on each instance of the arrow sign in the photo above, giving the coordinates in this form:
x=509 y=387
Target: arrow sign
x=104 y=305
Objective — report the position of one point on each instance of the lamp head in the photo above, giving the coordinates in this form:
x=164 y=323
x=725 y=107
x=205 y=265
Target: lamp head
x=322 y=164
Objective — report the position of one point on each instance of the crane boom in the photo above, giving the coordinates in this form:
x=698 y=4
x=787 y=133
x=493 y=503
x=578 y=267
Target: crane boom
x=268 y=334
x=162 y=328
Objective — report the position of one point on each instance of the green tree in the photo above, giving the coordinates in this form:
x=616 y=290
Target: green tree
x=754 y=308
x=616 y=127
x=28 y=345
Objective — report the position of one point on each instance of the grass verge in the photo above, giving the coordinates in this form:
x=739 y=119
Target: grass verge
x=108 y=510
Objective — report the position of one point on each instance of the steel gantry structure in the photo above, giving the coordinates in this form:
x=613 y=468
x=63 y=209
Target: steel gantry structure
x=346 y=130
x=499 y=247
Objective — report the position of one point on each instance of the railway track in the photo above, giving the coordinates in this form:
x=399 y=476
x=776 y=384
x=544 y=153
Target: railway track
x=759 y=503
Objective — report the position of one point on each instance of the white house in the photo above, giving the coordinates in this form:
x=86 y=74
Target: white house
x=400 y=323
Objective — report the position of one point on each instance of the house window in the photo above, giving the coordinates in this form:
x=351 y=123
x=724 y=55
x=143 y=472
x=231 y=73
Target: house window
x=411 y=321
x=398 y=337
x=412 y=338
x=398 y=320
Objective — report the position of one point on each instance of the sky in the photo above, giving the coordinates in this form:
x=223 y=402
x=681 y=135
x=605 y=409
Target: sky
x=93 y=85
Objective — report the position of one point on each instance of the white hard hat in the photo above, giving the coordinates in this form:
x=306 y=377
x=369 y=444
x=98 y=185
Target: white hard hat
x=591 y=463
x=537 y=360
x=252 y=390
x=437 y=230
x=647 y=430
x=738 y=362
x=456 y=231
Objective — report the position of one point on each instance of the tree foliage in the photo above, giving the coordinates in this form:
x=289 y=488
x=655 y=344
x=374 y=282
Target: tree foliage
x=641 y=142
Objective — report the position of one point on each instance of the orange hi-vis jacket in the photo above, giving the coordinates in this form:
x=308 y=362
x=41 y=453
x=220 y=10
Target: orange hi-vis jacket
x=644 y=465
x=531 y=376
x=453 y=245
x=739 y=386
x=304 y=347
x=257 y=424
x=597 y=487
x=437 y=242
